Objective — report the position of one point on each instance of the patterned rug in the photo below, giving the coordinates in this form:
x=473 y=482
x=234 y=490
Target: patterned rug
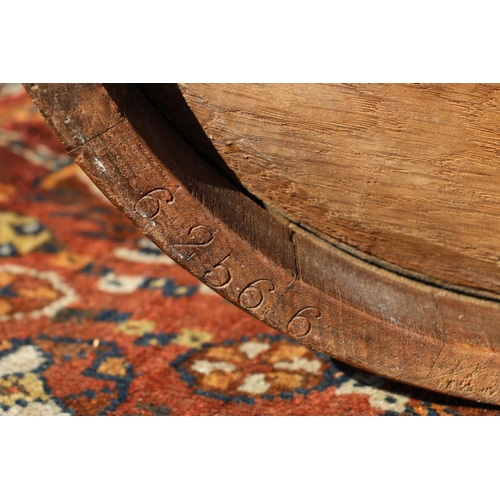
x=95 y=320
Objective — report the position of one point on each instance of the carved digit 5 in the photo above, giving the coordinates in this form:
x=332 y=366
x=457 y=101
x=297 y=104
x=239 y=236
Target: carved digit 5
x=199 y=236
x=219 y=276
x=300 y=325
x=252 y=296
x=150 y=204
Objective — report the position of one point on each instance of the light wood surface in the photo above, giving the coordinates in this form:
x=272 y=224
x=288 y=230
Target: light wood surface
x=409 y=175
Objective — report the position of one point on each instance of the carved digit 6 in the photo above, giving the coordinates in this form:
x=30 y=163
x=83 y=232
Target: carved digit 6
x=199 y=236
x=300 y=325
x=252 y=297
x=219 y=276
x=150 y=204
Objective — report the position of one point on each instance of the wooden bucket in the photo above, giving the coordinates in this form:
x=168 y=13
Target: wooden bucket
x=361 y=220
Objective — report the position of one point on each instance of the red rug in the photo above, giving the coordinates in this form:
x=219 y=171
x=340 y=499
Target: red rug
x=95 y=320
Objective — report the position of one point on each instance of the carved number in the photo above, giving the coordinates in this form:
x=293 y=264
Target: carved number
x=150 y=204
x=252 y=296
x=300 y=324
x=199 y=236
x=219 y=276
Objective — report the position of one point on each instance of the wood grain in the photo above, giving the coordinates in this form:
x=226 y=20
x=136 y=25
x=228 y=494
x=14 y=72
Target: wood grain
x=407 y=176
x=283 y=275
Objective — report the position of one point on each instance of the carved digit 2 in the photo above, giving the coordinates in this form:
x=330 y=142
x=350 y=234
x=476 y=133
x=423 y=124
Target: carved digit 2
x=200 y=236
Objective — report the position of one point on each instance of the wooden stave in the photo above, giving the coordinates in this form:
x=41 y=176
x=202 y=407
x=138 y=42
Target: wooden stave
x=340 y=161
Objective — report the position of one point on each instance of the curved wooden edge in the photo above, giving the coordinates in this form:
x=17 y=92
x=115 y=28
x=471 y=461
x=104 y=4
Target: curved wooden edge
x=288 y=278
x=401 y=174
